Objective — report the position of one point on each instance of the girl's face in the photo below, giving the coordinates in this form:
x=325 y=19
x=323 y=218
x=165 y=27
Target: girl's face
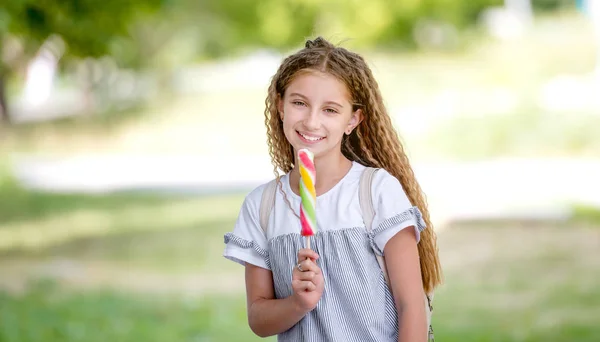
x=317 y=111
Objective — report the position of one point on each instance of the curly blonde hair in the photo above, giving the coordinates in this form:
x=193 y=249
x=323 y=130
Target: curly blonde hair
x=373 y=143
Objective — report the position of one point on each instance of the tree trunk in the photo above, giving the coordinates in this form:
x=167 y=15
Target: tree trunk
x=4 y=115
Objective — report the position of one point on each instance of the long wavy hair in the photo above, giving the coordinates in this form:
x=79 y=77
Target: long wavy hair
x=373 y=143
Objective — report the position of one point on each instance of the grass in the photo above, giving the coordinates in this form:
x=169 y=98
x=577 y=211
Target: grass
x=512 y=284
x=151 y=269
x=17 y=204
x=141 y=230
x=48 y=313
x=532 y=283
x=511 y=135
x=126 y=234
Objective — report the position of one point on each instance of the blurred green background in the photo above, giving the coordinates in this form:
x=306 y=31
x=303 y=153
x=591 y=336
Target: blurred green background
x=132 y=130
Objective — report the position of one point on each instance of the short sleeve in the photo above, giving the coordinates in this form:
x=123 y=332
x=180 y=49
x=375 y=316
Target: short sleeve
x=393 y=211
x=247 y=242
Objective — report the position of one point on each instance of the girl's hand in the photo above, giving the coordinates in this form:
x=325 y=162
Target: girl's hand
x=307 y=280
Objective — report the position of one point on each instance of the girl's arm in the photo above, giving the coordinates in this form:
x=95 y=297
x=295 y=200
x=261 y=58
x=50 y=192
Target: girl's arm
x=404 y=271
x=268 y=316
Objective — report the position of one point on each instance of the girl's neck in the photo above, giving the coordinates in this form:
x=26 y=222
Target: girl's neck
x=330 y=170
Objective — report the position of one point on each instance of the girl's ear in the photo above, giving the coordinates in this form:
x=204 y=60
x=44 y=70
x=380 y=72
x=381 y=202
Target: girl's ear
x=355 y=120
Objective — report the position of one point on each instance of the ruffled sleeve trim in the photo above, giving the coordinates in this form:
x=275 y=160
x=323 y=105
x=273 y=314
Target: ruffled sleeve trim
x=248 y=250
x=409 y=217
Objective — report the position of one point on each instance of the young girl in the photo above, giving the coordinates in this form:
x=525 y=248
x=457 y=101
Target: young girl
x=324 y=98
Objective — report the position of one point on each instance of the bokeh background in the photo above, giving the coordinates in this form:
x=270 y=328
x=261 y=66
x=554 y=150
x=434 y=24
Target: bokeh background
x=132 y=130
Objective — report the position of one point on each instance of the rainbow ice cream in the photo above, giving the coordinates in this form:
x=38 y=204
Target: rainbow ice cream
x=308 y=194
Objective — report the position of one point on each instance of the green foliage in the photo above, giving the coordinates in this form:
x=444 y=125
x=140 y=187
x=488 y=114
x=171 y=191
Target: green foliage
x=551 y=5
x=286 y=23
x=222 y=27
x=87 y=27
x=134 y=31
x=587 y=213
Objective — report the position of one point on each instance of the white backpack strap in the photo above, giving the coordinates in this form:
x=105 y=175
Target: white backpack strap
x=366 y=206
x=267 y=203
x=368 y=212
x=364 y=196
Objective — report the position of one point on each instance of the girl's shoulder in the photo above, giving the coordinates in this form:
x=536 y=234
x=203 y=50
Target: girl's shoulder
x=254 y=197
x=385 y=187
x=381 y=180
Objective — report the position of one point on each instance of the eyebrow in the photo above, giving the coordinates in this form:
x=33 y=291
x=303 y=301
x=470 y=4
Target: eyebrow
x=328 y=102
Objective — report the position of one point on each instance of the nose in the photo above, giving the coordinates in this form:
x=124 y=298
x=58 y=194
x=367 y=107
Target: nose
x=312 y=121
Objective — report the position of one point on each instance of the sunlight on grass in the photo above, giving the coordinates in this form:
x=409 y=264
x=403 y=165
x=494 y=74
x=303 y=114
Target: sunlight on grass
x=86 y=223
x=519 y=284
x=195 y=249
x=147 y=231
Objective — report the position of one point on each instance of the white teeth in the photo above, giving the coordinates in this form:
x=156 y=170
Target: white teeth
x=310 y=138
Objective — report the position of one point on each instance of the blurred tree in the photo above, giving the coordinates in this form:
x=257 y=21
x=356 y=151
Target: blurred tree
x=551 y=5
x=163 y=34
x=88 y=27
x=233 y=25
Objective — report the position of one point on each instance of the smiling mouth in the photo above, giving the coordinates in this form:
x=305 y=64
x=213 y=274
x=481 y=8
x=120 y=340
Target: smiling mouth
x=310 y=138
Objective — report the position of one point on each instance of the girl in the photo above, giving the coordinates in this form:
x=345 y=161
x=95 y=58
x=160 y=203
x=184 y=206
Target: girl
x=324 y=98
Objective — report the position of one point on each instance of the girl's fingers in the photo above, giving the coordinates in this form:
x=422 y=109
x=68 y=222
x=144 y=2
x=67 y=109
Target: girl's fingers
x=306 y=253
x=306 y=276
x=299 y=286
x=308 y=266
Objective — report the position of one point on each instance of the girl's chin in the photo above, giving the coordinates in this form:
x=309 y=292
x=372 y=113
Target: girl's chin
x=318 y=152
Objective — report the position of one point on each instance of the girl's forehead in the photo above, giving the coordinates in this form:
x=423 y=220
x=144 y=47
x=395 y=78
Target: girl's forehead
x=313 y=83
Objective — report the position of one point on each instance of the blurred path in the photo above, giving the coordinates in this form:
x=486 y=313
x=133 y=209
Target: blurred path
x=501 y=188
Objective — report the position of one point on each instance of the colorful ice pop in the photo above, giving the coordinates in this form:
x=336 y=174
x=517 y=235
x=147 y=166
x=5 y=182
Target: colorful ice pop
x=308 y=194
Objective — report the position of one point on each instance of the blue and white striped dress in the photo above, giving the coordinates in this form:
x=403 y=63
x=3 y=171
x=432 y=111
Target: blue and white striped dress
x=357 y=304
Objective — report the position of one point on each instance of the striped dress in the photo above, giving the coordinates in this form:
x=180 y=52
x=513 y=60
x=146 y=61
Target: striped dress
x=356 y=304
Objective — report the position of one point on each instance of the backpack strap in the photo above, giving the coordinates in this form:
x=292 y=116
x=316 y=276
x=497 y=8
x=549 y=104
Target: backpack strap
x=365 y=199
x=267 y=203
x=366 y=206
